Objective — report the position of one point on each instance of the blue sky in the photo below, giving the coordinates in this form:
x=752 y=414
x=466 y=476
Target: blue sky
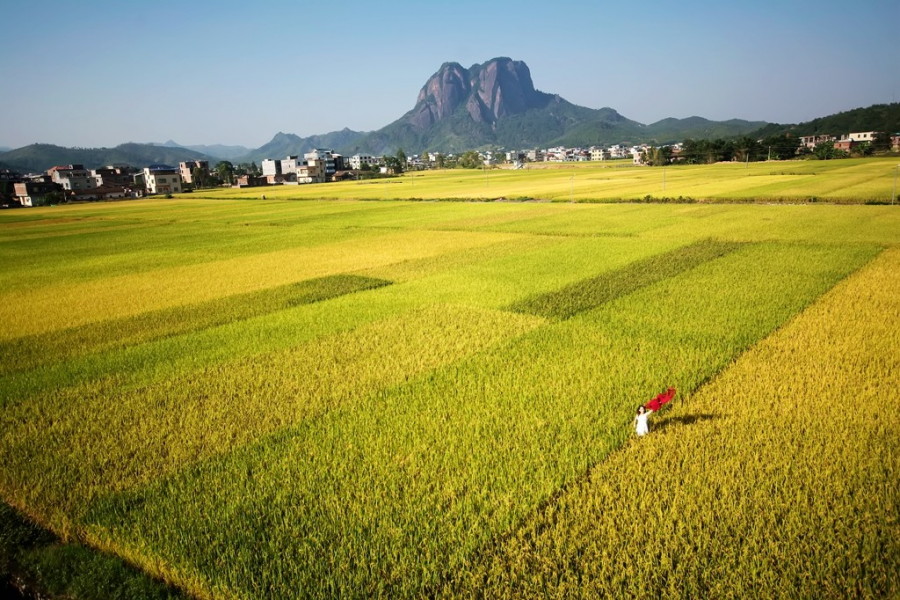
x=103 y=72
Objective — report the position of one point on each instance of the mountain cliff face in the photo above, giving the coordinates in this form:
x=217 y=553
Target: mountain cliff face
x=491 y=104
x=498 y=88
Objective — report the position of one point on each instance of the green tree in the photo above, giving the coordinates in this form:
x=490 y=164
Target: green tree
x=862 y=149
x=470 y=160
x=393 y=164
x=402 y=159
x=781 y=147
x=226 y=172
x=657 y=157
x=439 y=161
x=881 y=141
x=824 y=151
x=57 y=197
x=198 y=178
x=745 y=149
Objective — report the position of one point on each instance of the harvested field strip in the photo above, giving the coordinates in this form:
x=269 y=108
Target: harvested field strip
x=395 y=493
x=779 y=477
x=591 y=293
x=63 y=450
x=35 y=351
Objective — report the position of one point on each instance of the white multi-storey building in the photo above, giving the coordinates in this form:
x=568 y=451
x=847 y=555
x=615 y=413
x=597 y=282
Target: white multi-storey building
x=73 y=177
x=289 y=165
x=358 y=160
x=325 y=156
x=271 y=167
x=162 y=179
x=862 y=136
x=600 y=154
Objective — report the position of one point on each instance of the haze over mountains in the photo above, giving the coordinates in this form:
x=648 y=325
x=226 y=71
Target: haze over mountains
x=493 y=104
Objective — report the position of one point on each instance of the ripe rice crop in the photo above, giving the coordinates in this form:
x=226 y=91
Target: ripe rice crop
x=395 y=493
x=847 y=181
x=591 y=293
x=777 y=479
x=229 y=396
x=68 y=448
x=34 y=351
x=35 y=311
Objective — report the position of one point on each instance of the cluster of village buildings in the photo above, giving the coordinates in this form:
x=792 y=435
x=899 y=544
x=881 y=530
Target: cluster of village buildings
x=846 y=142
x=75 y=183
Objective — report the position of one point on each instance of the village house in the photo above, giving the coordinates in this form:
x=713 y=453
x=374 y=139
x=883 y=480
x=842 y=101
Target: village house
x=72 y=177
x=186 y=170
x=600 y=153
x=312 y=171
x=9 y=176
x=845 y=144
x=862 y=136
x=114 y=175
x=247 y=180
x=162 y=179
x=358 y=160
x=289 y=169
x=270 y=166
x=535 y=155
x=102 y=193
x=326 y=158
x=811 y=141
x=32 y=193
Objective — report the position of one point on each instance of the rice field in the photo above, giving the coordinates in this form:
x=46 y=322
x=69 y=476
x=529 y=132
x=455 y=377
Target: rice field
x=852 y=181
x=281 y=399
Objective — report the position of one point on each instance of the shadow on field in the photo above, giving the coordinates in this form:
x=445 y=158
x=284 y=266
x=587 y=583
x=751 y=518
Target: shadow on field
x=683 y=420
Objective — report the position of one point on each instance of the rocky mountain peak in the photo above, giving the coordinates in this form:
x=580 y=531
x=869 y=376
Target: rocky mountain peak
x=490 y=91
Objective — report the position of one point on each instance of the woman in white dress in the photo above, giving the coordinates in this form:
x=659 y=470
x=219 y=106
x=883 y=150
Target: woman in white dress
x=640 y=421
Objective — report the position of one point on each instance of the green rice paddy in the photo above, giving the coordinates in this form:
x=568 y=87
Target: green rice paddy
x=320 y=398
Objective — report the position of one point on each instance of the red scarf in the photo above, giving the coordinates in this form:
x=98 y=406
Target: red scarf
x=657 y=402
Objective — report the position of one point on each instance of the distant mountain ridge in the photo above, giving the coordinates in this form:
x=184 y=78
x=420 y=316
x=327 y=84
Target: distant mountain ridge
x=217 y=150
x=40 y=157
x=496 y=104
x=289 y=144
x=489 y=105
x=878 y=117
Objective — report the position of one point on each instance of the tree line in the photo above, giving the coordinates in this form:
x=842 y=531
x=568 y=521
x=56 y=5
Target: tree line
x=747 y=149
